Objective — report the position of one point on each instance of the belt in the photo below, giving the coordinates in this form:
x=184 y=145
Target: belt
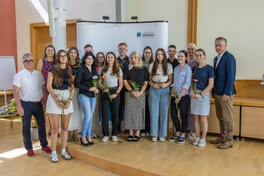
x=36 y=102
x=113 y=87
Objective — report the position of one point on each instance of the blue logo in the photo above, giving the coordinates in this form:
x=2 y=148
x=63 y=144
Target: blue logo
x=139 y=34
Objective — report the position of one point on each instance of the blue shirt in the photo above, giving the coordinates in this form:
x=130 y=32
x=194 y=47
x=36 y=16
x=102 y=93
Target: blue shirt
x=182 y=80
x=202 y=75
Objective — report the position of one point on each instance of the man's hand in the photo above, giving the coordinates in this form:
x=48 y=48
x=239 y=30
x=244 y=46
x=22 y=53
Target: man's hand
x=225 y=97
x=20 y=111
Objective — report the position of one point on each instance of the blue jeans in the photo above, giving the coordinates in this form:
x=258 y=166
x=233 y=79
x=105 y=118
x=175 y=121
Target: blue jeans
x=88 y=106
x=159 y=111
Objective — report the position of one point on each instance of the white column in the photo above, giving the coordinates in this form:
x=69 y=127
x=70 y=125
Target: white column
x=59 y=41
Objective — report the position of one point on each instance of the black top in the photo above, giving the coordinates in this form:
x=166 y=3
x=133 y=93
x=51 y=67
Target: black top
x=65 y=82
x=84 y=80
x=137 y=74
x=123 y=63
x=175 y=63
x=74 y=69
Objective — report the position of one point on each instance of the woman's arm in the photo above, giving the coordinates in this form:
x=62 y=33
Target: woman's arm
x=163 y=85
x=67 y=105
x=156 y=86
x=40 y=66
x=78 y=79
x=120 y=86
x=208 y=88
x=51 y=91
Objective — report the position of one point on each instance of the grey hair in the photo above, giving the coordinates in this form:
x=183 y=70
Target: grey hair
x=221 y=38
x=25 y=55
x=140 y=64
x=192 y=44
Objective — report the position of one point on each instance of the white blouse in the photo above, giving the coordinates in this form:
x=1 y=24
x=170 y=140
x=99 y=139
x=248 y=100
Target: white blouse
x=159 y=77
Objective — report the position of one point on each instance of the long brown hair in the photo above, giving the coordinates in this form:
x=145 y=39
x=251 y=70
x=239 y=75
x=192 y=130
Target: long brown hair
x=45 y=55
x=156 y=63
x=115 y=69
x=78 y=60
x=57 y=71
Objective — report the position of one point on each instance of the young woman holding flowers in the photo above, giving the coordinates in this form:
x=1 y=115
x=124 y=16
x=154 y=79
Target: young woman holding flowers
x=135 y=80
x=77 y=116
x=96 y=126
x=84 y=79
x=180 y=90
x=111 y=83
x=203 y=82
x=147 y=59
x=160 y=75
x=59 y=104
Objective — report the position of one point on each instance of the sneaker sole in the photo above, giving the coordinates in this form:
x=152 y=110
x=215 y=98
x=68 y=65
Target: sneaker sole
x=54 y=161
x=181 y=142
x=227 y=147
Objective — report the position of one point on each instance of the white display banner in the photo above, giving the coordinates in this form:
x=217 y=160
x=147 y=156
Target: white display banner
x=105 y=36
x=7 y=72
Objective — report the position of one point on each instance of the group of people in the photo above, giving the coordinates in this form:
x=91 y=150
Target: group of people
x=80 y=92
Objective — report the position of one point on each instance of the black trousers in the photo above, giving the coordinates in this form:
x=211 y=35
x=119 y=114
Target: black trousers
x=121 y=106
x=114 y=106
x=36 y=110
x=183 y=106
x=147 y=117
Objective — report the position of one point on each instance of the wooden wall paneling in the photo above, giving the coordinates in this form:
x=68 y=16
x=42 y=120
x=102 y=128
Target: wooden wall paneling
x=192 y=21
x=213 y=123
x=249 y=89
x=39 y=38
x=252 y=122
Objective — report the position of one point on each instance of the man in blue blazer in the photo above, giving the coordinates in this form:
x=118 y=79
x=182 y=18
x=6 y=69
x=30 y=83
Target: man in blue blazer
x=223 y=92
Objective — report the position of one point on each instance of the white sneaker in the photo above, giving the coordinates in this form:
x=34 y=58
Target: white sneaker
x=162 y=139
x=66 y=156
x=105 y=138
x=202 y=143
x=143 y=134
x=114 y=138
x=154 y=139
x=54 y=158
x=196 y=141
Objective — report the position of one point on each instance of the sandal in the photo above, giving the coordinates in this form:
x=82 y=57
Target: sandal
x=136 y=138
x=130 y=138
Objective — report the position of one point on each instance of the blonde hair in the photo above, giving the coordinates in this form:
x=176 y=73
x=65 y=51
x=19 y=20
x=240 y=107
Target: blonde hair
x=140 y=63
x=193 y=45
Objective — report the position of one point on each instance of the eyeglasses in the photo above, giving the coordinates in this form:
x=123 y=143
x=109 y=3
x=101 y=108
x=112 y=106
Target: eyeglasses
x=28 y=61
x=61 y=56
x=147 y=52
x=100 y=56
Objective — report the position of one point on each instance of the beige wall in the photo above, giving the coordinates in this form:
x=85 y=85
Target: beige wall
x=173 y=11
x=26 y=14
x=241 y=22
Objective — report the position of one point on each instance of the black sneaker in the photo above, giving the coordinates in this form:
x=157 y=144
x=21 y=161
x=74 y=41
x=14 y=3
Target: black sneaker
x=173 y=138
x=181 y=140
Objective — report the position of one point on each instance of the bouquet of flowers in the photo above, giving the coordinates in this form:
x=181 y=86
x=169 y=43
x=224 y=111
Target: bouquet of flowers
x=106 y=86
x=176 y=96
x=158 y=83
x=134 y=85
x=64 y=102
x=194 y=89
x=11 y=108
x=95 y=84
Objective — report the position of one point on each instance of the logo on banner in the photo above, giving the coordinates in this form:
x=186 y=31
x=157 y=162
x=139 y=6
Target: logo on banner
x=145 y=35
